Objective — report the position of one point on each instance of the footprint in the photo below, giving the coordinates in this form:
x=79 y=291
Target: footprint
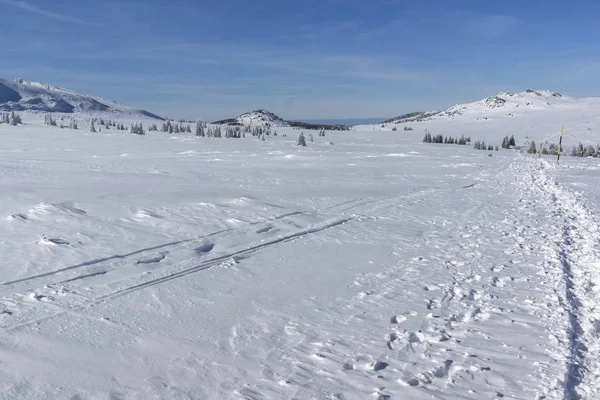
x=205 y=248
x=265 y=229
x=380 y=366
x=409 y=381
x=442 y=371
x=52 y=241
x=398 y=319
x=392 y=339
x=433 y=304
x=21 y=217
x=152 y=260
x=416 y=337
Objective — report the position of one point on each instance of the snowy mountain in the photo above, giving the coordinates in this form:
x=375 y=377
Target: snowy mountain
x=266 y=118
x=256 y=117
x=502 y=104
x=20 y=95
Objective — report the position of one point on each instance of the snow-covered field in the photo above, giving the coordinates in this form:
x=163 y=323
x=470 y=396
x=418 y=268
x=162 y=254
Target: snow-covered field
x=367 y=265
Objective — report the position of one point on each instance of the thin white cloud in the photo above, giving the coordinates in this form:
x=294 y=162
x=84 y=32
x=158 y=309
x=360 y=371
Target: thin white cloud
x=60 y=17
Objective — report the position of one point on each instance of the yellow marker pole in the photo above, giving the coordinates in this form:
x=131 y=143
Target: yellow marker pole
x=562 y=129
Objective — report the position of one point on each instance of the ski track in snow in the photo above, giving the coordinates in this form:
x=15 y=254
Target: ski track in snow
x=47 y=293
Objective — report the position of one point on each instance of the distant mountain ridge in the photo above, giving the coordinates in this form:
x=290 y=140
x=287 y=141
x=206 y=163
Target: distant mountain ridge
x=21 y=95
x=503 y=103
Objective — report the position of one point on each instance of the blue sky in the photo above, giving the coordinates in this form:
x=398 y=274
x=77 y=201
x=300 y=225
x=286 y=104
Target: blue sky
x=306 y=59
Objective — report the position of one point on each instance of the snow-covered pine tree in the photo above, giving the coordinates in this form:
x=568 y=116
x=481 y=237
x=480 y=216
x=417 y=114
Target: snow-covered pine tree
x=301 y=140
x=200 y=129
x=589 y=151
x=532 y=147
x=14 y=119
x=48 y=120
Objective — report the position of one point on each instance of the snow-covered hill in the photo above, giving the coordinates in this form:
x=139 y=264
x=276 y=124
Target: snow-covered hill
x=257 y=117
x=529 y=115
x=20 y=95
x=502 y=104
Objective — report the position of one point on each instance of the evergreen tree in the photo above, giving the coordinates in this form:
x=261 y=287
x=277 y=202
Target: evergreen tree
x=92 y=127
x=137 y=129
x=14 y=119
x=511 y=141
x=48 y=120
x=301 y=141
x=532 y=148
x=589 y=151
x=200 y=129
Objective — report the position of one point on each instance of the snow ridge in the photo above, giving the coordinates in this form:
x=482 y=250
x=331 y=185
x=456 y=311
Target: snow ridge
x=501 y=104
x=23 y=95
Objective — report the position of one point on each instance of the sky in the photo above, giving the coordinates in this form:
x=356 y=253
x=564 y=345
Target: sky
x=302 y=59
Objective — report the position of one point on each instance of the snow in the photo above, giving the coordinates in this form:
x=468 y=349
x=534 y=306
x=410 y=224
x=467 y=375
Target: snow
x=177 y=267
x=39 y=97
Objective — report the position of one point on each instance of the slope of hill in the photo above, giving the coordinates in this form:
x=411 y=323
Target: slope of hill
x=267 y=118
x=23 y=95
x=501 y=104
x=529 y=115
x=256 y=117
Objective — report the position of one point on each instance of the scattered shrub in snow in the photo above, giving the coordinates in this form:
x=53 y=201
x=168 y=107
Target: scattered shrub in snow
x=532 y=148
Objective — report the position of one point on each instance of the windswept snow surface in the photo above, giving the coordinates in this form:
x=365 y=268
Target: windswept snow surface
x=176 y=267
